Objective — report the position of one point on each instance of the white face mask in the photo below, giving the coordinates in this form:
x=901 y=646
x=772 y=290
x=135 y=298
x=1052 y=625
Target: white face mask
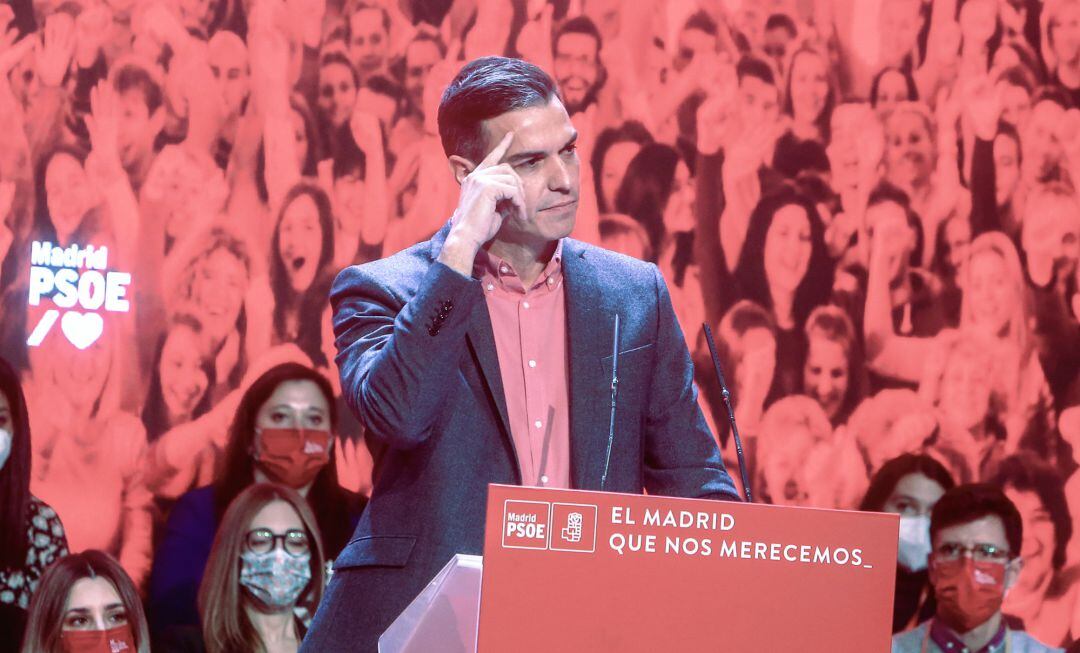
x=5 y=446
x=914 y=546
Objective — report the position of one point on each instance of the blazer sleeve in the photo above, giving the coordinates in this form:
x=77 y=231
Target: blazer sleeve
x=681 y=456
x=399 y=360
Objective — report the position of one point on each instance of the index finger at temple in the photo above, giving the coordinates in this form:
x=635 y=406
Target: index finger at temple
x=496 y=155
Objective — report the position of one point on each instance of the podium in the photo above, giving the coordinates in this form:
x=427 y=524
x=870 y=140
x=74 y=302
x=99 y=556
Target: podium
x=575 y=571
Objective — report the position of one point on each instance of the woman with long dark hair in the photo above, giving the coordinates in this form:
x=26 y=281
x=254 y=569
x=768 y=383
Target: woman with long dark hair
x=86 y=602
x=180 y=380
x=32 y=536
x=659 y=193
x=784 y=267
x=909 y=485
x=301 y=269
x=283 y=431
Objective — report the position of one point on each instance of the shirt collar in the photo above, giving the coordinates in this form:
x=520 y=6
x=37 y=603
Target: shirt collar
x=497 y=272
x=950 y=642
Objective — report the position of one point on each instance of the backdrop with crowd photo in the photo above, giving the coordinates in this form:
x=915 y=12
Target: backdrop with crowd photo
x=873 y=203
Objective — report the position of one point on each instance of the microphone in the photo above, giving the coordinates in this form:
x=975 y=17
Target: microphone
x=614 y=394
x=731 y=412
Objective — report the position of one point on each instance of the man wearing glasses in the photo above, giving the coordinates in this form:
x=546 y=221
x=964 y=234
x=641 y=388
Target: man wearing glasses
x=976 y=533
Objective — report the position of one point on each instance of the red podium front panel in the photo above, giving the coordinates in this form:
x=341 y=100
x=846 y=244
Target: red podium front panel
x=572 y=571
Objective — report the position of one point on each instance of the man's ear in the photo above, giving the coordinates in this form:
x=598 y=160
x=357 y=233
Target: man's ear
x=460 y=167
x=1012 y=572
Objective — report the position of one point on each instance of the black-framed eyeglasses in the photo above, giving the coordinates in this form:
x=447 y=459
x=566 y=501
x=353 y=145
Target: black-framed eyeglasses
x=980 y=552
x=263 y=540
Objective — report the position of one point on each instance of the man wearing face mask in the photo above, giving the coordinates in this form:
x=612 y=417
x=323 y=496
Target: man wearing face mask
x=975 y=533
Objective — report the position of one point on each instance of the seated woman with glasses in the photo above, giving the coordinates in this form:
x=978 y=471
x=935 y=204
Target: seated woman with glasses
x=85 y=602
x=282 y=432
x=263 y=580
x=975 y=534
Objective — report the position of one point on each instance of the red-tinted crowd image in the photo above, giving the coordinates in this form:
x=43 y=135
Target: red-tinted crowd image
x=873 y=204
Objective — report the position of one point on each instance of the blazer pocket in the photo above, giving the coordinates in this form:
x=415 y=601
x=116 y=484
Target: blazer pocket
x=626 y=358
x=376 y=551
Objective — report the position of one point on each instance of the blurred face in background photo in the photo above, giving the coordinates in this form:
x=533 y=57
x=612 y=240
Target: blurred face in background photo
x=909 y=149
x=217 y=293
x=809 y=86
x=1042 y=153
x=892 y=90
x=577 y=69
x=991 y=293
x=181 y=372
x=826 y=374
x=1039 y=541
x=966 y=388
x=337 y=92
x=1006 y=167
x=1050 y=236
x=613 y=168
x=369 y=42
x=228 y=60
x=68 y=192
x=300 y=241
x=420 y=57
x=788 y=248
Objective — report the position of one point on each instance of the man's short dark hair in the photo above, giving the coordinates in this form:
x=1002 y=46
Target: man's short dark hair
x=888 y=193
x=1026 y=472
x=580 y=25
x=781 y=21
x=702 y=22
x=357 y=7
x=132 y=77
x=486 y=88
x=753 y=67
x=964 y=504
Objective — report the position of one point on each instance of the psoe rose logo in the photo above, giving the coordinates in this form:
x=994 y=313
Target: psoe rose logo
x=79 y=284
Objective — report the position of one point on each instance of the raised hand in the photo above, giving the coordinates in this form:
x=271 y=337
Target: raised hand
x=366 y=129
x=57 y=48
x=716 y=120
x=12 y=48
x=103 y=125
x=477 y=218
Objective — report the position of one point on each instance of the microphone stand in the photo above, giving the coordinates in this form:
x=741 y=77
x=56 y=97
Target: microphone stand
x=730 y=411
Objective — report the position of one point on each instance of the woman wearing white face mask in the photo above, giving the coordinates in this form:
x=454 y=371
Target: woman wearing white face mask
x=910 y=485
x=32 y=536
x=262 y=603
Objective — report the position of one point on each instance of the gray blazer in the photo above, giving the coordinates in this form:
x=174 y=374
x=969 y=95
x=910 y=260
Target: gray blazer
x=419 y=368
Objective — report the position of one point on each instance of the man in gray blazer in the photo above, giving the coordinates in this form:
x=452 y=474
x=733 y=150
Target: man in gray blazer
x=484 y=356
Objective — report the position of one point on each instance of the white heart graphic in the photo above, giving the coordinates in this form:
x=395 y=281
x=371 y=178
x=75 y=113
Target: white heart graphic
x=82 y=329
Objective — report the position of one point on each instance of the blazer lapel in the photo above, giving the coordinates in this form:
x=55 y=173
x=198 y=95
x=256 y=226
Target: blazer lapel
x=482 y=344
x=588 y=333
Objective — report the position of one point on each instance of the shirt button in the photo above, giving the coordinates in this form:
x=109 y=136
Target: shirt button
x=550 y=281
x=532 y=363
x=525 y=304
x=491 y=287
x=544 y=479
x=538 y=424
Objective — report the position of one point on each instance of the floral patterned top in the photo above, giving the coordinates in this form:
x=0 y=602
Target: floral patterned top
x=47 y=544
